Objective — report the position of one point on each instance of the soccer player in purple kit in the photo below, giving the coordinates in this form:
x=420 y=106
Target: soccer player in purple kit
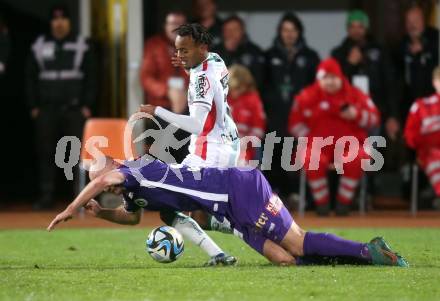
x=242 y=195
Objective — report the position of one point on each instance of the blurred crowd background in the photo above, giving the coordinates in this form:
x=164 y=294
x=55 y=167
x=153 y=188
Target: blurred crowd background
x=52 y=79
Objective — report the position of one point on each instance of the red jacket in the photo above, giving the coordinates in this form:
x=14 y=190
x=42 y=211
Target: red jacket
x=316 y=113
x=422 y=130
x=249 y=116
x=156 y=69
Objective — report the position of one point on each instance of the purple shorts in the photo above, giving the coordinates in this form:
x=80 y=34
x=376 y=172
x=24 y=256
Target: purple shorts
x=257 y=213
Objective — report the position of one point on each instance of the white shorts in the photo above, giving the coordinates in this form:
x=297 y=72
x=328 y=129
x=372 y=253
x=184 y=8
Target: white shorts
x=218 y=155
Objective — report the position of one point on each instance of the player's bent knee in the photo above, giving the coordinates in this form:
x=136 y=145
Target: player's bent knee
x=201 y=218
x=276 y=254
x=293 y=242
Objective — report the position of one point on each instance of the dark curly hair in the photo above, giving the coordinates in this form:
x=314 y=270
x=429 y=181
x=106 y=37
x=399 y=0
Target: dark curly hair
x=199 y=33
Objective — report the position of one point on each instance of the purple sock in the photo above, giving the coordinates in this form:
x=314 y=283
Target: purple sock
x=326 y=244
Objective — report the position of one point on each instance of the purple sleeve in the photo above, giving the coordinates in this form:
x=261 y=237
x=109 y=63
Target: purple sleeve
x=130 y=181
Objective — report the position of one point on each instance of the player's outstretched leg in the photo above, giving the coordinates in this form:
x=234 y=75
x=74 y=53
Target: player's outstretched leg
x=191 y=231
x=377 y=251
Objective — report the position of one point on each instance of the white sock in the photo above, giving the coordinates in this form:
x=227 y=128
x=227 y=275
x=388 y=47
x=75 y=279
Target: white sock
x=191 y=231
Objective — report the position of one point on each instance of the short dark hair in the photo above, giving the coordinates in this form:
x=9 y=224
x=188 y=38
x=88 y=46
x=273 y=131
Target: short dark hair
x=199 y=33
x=295 y=20
x=234 y=18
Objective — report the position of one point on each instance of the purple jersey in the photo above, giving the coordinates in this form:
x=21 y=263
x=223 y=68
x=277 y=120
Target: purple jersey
x=243 y=196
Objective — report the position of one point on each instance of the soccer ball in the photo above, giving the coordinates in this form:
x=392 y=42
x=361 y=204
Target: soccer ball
x=165 y=244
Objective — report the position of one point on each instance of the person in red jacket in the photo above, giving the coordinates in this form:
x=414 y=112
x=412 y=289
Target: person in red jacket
x=422 y=132
x=332 y=107
x=164 y=84
x=247 y=109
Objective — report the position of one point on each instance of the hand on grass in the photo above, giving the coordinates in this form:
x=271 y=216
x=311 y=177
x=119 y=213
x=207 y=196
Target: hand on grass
x=62 y=217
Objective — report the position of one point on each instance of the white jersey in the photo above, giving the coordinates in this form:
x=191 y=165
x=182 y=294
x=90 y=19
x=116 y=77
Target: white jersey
x=218 y=144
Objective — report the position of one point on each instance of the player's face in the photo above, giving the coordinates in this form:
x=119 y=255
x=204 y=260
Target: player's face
x=191 y=53
x=289 y=33
x=330 y=83
x=357 y=31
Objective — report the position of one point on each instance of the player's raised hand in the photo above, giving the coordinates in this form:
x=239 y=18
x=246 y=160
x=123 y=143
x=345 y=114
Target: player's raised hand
x=93 y=208
x=62 y=217
x=176 y=61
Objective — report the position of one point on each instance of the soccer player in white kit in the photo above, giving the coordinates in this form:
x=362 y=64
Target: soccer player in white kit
x=214 y=139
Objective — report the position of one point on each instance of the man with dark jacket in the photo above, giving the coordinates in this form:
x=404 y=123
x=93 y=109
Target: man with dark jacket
x=61 y=89
x=205 y=13
x=368 y=67
x=290 y=67
x=418 y=57
x=236 y=48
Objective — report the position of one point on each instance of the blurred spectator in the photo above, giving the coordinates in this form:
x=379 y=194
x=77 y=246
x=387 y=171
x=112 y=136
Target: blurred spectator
x=164 y=84
x=369 y=68
x=236 y=48
x=247 y=109
x=4 y=47
x=422 y=133
x=418 y=57
x=205 y=13
x=290 y=66
x=332 y=107
x=61 y=89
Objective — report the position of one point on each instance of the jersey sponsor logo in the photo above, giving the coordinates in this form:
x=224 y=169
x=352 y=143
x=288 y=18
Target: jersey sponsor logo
x=216 y=58
x=274 y=205
x=202 y=86
x=229 y=138
x=224 y=81
x=262 y=220
x=271 y=228
x=141 y=202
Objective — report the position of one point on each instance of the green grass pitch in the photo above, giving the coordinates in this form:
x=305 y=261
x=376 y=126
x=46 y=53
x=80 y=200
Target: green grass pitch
x=111 y=264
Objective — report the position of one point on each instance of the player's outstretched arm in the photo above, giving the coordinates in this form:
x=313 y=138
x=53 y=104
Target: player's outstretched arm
x=92 y=189
x=192 y=124
x=118 y=215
